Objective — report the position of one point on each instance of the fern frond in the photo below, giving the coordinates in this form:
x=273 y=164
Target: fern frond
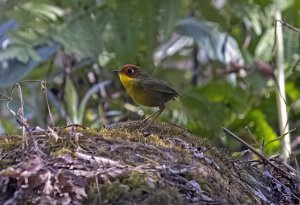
x=43 y=10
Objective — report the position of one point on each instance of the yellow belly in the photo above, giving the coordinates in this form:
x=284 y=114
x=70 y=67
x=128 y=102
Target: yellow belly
x=138 y=94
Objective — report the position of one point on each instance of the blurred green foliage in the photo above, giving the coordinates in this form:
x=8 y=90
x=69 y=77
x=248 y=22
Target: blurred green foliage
x=207 y=50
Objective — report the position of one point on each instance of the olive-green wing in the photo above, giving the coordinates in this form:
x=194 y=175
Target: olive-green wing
x=153 y=84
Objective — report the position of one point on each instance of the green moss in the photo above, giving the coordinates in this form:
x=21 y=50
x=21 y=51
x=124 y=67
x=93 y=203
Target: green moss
x=54 y=146
x=10 y=149
x=164 y=197
x=135 y=180
x=114 y=191
x=62 y=151
x=10 y=143
x=125 y=134
x=133 y=188
x=6 y=163
x=134 y=148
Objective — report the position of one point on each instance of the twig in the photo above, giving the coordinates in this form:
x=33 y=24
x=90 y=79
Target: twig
x=295 y=65
x=25 y=126
x=287 y=25
x=45 y=91
x=20 y=113
x=4 y=97
x=260 y=155
x=283 y=23
x=147 y=158
x=243 y=185
x=98 y=189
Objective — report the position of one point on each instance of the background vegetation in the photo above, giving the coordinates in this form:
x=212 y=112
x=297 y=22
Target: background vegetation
x=218 y=54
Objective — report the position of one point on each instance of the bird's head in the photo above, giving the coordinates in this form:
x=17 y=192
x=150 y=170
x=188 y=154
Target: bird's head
x=131 y=71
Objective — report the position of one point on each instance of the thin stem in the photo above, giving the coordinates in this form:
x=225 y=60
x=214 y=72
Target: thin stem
x=260 y=155
x=280 y=92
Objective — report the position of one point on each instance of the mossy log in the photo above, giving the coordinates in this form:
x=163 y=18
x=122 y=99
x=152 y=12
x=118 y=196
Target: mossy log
x=125 y=165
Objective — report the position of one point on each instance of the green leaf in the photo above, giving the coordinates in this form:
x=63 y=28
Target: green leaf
x=71 y=99
x=216 y=45
x=263 y=3
x=292 y=91
x=257 y=122
x=12 y=70
x=255 y=21
x=279 y=138
x=209 y=107
x=88 y=95
x=21 y=53
x=257 y=82
x=83 y=37
x=43 y=10
x=264 y=47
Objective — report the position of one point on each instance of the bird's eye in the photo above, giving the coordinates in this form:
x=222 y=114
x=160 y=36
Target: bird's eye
x=130 y=71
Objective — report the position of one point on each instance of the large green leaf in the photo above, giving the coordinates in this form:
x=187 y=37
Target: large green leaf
x=43 y=10
x=215 y=45
x=257 y=122
x=218 y=103
x=12 y=71
x=265 y=45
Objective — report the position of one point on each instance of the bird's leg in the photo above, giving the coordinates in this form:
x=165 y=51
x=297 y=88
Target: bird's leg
x=155 y=115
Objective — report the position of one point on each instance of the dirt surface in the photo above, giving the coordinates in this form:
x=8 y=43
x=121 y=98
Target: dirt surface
x=124 y=164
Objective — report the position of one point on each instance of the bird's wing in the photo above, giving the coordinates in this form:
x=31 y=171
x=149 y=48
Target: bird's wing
x=153 y=84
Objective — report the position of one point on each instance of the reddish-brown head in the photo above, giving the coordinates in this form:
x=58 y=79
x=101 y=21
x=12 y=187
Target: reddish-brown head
x=130 y=70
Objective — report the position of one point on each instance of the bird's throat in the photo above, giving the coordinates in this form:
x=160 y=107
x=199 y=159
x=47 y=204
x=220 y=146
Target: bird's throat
x=128 y=82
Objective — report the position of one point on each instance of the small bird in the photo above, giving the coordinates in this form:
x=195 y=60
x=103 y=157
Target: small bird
x=145 y=89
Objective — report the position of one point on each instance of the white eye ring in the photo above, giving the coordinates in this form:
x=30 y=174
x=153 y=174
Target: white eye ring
x=130 y=71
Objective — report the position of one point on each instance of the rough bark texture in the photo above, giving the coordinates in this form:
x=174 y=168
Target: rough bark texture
x=122 y=165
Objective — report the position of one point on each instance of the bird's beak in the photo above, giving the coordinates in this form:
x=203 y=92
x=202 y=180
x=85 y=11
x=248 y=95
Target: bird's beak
x=116 y=71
